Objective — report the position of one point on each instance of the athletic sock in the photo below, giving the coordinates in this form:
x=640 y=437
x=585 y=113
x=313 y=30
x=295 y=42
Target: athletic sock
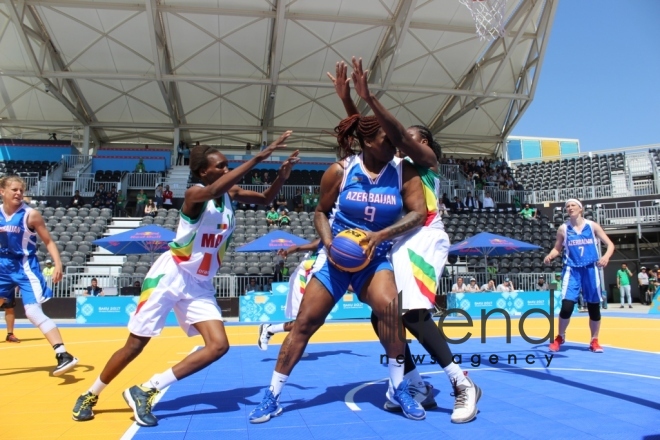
x=277 y=382
x=396 y=372
x=98 y=386
x=276 y=328
x=415 y=379
x=455 y=374
x=59 y=348
x=161 y=381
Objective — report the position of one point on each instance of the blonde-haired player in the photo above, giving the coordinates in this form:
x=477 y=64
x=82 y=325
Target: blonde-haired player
x=579 y=239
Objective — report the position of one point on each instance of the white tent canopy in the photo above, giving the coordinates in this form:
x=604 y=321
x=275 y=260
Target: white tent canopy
x=226 y=72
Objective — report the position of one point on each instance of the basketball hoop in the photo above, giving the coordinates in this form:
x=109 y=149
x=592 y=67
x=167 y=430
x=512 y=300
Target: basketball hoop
x=488 y=16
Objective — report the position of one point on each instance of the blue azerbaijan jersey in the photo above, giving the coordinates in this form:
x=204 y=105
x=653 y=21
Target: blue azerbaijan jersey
x=366 y=203
x=16 y=239
x=580 y=249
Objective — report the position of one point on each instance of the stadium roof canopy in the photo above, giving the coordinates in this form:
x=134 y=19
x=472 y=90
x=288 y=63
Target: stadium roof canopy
x=225 y=71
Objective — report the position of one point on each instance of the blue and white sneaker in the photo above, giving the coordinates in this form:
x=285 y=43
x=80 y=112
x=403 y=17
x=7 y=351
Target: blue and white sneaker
x=410 y=407
x=269 y=407
x=422 y=394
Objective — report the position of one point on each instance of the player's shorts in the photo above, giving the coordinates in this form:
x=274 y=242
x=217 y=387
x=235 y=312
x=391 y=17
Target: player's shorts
x=585 y=279
x=26 y=274
x=9 y=302
x=418 y=260
x=297 y=284
x=337 y=281
x=167 y=287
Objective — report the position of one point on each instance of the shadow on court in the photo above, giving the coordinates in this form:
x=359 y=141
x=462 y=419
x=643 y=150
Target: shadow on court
x=541 y=376
x=68 y=378
x=321 y=354
x=24 y=340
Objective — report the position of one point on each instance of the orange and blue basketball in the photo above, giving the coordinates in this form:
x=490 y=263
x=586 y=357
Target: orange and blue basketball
x=347 y=250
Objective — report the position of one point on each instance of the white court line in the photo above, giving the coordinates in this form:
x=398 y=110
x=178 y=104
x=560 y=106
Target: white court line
x=133 y=429
x=350 y=403
x=17 y=346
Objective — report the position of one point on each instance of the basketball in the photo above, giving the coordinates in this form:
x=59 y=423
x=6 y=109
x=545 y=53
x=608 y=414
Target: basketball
x=346 y=251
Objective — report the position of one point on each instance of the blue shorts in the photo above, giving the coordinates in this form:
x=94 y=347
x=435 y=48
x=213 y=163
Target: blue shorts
x=585 y=279
x=337 y=281
x=26 y=274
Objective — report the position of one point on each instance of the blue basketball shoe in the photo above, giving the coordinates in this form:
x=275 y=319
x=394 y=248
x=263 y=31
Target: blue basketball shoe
x=269 y=407
x=411 y=408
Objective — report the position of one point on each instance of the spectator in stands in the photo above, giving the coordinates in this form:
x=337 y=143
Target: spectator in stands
x=470 y=202
x=256 y=178
x=506 y=286
x=179 y=153
x=308 y=201
x=158 y=196
x=94 y=289
x=472 y=286
x=140 y=167
x=297 y=201
x=281 y=202
x=442 y=208
x=248 y=148
x=98 y=201
x=458 y=286
x=281 y=273
x=541 y=285
x=141 y=203
x=558 y=282
x=76 y=201
x=150 y=208
x=458 y=205
x=146 y=147
x=316 y=196
x=272 y=216
x=48 y=270
x=263 y=146
x=111 y=199
x=445 y=200
x=489 y=286
x=252 y=287
x=168 y=196
x=285 y=220
x=121 y=205
x=488 y=201
x=480 y=162
x=528 y=213
x=186 y=154
x=138 y=285
x=643 y=282
x=268 y=179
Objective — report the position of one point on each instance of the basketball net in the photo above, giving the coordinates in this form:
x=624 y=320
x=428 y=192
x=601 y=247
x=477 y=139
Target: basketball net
x=488 y=16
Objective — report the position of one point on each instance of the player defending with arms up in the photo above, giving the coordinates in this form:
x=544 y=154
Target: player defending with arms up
x=579 y=238
x=182 y=279
x=19 y=227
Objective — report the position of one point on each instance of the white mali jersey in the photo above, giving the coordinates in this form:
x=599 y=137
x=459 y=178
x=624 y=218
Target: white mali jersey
x=201 y=243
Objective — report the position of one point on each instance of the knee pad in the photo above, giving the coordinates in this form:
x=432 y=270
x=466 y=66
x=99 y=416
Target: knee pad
x=567 y=307
x=37 y=317
x=594 y=311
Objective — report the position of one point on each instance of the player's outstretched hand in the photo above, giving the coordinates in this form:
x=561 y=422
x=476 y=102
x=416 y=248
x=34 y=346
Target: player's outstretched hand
x=360 y=79
x=285 y=170
x=341 y=80
x=277 y=145
x=603 y=262
x=547 y=260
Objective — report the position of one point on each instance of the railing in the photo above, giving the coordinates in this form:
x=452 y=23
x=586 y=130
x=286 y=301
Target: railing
x=449 y=171
x=521 y=281
x=639 y=164
x=75 y=160
x=288 y=190
x=629 y=215
x=144 y=180
x=59 y=189
x=644 y=187
x=560 y=195
x=507 y=196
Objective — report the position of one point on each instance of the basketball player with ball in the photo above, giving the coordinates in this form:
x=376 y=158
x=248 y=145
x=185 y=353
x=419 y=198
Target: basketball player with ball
x=418 y=257
x=368 y=191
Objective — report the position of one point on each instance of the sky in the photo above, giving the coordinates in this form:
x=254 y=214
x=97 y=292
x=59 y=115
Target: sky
x=600 y=80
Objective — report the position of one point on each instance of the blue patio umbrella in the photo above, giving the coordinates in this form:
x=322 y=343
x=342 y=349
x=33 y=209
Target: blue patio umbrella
x=486 y=244
x=143 y=240
x=273 y=241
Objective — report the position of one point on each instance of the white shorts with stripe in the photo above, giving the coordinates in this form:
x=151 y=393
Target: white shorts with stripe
x=418 y=260
x=296 y=289
x=167 y=287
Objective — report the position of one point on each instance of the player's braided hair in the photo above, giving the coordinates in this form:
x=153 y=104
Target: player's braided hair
x=354 y=128
x=425 y=133
x=199 y=158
